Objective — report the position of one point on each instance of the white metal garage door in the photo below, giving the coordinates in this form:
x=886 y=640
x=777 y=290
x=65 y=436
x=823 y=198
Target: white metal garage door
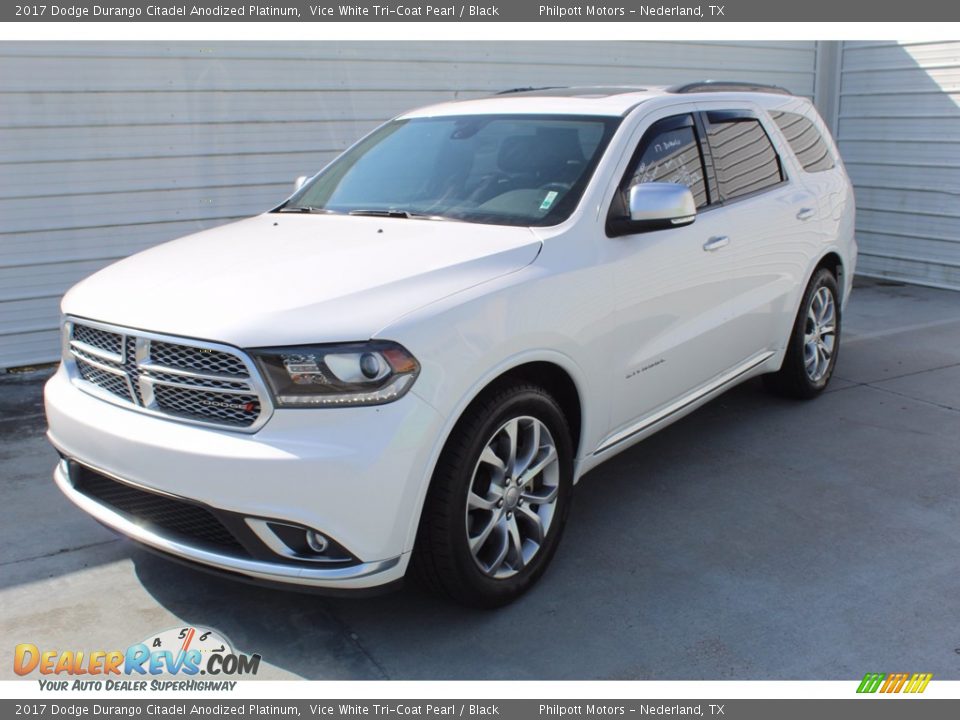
x=108 y=148
x=899 y=133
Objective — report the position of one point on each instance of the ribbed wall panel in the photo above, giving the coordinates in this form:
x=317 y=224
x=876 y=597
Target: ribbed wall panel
x=109 y=148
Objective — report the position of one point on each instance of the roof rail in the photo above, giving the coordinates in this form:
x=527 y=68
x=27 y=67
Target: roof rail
x=511 y=91
x=726 y=86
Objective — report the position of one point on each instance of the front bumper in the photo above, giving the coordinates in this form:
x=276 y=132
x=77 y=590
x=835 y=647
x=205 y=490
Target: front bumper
x=357 y=475
x=356 y=575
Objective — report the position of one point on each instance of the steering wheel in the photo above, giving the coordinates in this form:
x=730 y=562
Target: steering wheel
x=488 y=185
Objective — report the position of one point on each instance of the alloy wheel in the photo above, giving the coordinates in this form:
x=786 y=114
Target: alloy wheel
x=820 y=334
x=512 y=497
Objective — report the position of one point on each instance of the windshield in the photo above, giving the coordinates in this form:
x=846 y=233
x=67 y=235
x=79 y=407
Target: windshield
x=497 y=169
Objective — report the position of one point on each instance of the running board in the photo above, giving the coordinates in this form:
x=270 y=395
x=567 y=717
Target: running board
x=683 y=403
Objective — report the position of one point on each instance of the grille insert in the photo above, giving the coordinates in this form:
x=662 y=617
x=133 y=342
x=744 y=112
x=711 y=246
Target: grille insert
x=179 y=379
x=101 y=339
x=111 y=382
x=185 y=357
x=169 y=516
x=200 y=382
x=218 y=407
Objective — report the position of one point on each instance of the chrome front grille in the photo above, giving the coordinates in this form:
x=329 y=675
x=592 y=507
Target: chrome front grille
x=187 y=380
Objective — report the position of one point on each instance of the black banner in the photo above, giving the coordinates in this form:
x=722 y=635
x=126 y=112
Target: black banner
x=872 y=708
x=488 y=11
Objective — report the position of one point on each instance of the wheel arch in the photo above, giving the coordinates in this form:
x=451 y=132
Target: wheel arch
x=556 y=372
x=832 y=261
x=553 y=378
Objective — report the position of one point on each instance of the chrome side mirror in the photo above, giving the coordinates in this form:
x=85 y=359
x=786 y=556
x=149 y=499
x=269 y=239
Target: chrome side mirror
x=658 y=206
x=298 y=183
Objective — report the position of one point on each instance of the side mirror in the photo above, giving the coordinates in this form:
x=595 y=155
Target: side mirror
x=658 y=206
x=298 y=183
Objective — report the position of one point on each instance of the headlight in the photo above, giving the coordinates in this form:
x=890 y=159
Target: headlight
x=371 y=373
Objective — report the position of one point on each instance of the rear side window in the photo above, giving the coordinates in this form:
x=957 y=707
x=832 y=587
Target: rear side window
x=669 y=152
x=805 y=140
x=743 y=156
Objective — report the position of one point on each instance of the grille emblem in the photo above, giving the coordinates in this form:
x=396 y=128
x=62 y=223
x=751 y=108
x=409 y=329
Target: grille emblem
x=246 y=407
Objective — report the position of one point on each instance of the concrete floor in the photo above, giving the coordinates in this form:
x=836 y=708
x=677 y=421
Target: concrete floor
x=756 y=539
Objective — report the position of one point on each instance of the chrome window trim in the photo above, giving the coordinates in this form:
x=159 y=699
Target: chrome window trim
x=145 y=384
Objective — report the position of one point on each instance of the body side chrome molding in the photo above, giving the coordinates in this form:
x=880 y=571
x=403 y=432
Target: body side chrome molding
x=682 y=403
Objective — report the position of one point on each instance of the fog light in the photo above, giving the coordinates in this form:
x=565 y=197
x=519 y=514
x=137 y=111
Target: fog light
x=317 y=542
x=300 y=543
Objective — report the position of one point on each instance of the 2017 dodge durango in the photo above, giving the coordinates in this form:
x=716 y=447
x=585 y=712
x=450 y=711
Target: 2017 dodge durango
x=409 y=363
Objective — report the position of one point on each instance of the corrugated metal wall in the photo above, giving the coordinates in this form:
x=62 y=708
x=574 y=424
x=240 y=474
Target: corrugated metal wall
x=108 y=148
x=899 y=133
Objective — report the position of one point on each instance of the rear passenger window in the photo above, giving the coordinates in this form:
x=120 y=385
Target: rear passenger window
x=669 y=152
x=743 y=156
x=805 y=140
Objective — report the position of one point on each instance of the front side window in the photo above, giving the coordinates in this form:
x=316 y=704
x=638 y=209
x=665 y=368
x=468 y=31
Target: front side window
x=669 y=152
x=526 y=170
x=743 y=156
x=805 y=140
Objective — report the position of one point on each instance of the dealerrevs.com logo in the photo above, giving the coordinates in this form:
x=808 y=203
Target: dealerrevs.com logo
x=179 y=652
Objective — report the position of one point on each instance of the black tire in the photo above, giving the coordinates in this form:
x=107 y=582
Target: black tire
x=442 y=559
x=793 y=380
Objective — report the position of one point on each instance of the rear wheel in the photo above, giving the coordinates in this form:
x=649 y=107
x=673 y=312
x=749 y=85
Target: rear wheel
x=498 y=500
x=814 y=342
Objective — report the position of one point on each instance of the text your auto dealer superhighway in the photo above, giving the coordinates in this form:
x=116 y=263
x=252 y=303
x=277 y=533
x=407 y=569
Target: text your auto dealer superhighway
x=104 y=11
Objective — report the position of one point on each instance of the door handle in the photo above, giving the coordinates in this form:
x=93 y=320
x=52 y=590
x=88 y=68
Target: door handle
x=805 y=213
x=716 y=242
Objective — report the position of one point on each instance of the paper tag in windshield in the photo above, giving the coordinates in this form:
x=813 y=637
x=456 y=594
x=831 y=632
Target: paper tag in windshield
x=548 y=200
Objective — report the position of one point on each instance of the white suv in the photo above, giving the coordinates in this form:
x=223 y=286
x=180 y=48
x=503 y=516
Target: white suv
x=411 y=361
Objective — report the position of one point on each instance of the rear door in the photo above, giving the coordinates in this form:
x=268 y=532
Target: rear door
x=818 y=168
x=773 y=220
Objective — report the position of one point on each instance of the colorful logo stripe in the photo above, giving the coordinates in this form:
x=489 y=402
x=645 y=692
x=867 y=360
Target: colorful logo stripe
x=894 y=682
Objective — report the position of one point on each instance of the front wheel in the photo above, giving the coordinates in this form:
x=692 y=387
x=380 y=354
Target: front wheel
x=812 y=350
x=498 y=500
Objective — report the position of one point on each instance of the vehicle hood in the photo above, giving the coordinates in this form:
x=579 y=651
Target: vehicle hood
x=280 y=279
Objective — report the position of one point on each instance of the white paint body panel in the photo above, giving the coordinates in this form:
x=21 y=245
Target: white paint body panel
x=282 y=279
x=469 y=302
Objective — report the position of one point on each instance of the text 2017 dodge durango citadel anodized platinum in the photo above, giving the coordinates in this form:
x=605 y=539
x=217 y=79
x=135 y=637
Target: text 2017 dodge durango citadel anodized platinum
x=408 y=364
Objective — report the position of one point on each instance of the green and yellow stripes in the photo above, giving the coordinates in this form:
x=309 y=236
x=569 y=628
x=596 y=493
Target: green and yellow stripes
x=894 y=682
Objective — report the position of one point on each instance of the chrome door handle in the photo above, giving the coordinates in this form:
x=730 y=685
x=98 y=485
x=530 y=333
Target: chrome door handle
x=805 y=213
x=716 y=242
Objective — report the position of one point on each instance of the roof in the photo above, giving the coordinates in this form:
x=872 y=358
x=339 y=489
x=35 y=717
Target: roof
x=613 y=101
x=609 y=101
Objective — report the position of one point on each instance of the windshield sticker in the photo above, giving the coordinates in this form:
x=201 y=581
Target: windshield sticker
x=548 y=200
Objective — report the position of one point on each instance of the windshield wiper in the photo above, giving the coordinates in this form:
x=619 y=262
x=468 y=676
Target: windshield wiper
x=306 y=209
x=383 y=213
x=402 y=214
